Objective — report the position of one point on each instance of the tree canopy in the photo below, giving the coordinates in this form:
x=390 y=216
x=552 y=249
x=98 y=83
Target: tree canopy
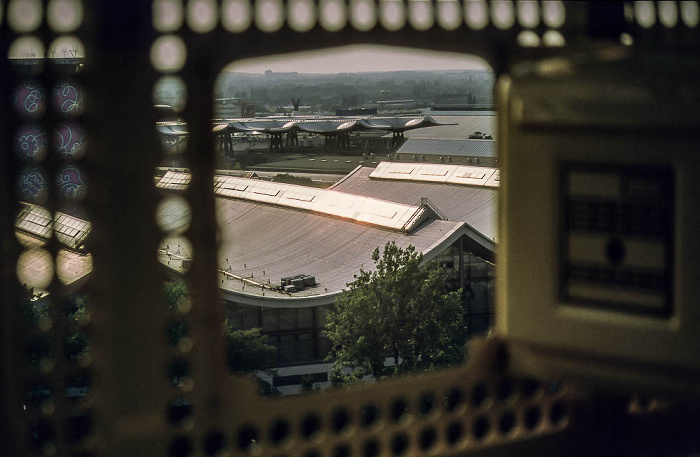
x=246 y=350
x=401 y=309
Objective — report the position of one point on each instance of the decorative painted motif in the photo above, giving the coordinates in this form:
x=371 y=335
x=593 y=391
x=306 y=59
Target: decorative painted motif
x=29 y=100
x=69 y=140
x=32 y=185
x=30 y=142
x=70 y=183
x=68 y=98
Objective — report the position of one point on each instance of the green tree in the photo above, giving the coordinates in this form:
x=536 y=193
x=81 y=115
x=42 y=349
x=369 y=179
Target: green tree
x=401 y=309
x=246 y=351
x=175 y=293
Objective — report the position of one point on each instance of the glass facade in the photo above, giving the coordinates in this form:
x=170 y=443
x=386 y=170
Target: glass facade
x=297 y=333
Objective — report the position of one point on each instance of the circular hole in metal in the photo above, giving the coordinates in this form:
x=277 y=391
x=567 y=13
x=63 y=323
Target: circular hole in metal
x=71 y=182
x=480 y=395
x=30 y=50
x=506 y=389
x=645 y=13
x=25 y=16
x=247 y=437
x=363 y=14
x=426 y=404
x=553 y=13
x=35 y=269
x=455 y=433
x=481 y=427
x=66 y=47
x=507 y=422
x=301 y=15
x=168 y=53
x=32 y=185
x=72 y=266
x=79 y=428
x=530 y=387
x=214 y=442
x=70 y=141
x=180 y=446
x=557 y=414
x=41 y=434
x=399 y=444
x=202 y=15
x=371 y=448
x=174 y=139
x=626 y=39
x=168 y=15
x=615 y=251
x=502 y=14
x=421 y=15
x=38 y=352
x=528 y=39
x=236 y=15
x=279 y=431
x=392 y=15
x=269 y=15
x=173 y=215
x=170 y=91
x=340 y=420
x=29 y=100
x=476 y=14
x=65 y=16
x=68 y=99
x=175 y=332
x=427 y=439
x=533 y=415
x=399 y=410
x=310 y=426
x=38 y=393
x=178 y=372
x=177 y=253
x=34 y=226
x=369 y=415
x=333 y=15
x=453 y=399
x=449 y=14
x=178 y=411
x=690 y=13
x=668 y=14
x=30 y=142
x=342 y=450
x=528 y=13
x=553 y=39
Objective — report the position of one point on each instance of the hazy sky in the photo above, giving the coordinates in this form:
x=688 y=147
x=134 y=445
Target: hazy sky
x=359 y=58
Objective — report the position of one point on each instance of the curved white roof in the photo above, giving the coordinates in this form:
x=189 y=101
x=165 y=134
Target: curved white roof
x=476 y=205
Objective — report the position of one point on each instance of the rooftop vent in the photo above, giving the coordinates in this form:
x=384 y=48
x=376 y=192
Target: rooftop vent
x=298 y=282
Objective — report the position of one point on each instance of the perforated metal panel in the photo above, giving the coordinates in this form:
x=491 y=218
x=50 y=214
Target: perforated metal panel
x=129 y=407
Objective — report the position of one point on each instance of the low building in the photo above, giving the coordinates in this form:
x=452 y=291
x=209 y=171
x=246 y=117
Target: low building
x=233 y=108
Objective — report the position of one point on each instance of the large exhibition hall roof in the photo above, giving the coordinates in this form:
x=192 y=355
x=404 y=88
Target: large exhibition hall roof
x=265 y=237
x=263 y=242
x=473 y=203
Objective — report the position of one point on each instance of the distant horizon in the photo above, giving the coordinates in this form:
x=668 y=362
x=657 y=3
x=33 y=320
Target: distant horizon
x=447 y=70
x=359 y=59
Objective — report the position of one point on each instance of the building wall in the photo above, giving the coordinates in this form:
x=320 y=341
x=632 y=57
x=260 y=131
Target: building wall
x=297 y=333
x=232 y=108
